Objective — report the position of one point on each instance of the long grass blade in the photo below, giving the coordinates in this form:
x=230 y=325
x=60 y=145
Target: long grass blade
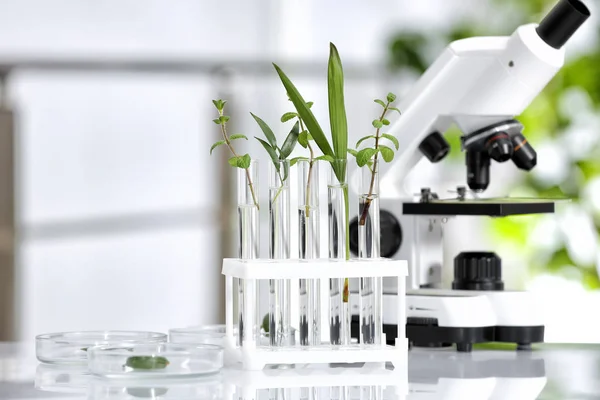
x=305 y=114
x=337 y=109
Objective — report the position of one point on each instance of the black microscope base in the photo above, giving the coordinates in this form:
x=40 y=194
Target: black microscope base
x=523 y=336
x=424 y=332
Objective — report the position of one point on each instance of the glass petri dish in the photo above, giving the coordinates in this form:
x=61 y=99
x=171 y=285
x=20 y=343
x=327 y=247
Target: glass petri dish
x=191 y=388
x=72 y=347
x=207 y=334
x=61 y=378
x=163 y=360
x=215 y=334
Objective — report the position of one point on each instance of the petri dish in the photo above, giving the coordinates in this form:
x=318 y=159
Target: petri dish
x=215 y=334
x=61 y=378
x=163 y=360
x=191 y=388
x=72 y=347
x=207 y=334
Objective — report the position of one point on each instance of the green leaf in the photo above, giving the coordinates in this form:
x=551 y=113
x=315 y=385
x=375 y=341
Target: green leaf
x=223 y=119
x=244 y=161
x=352 y=152
x=391 y=97
x=385 y=121
x=233 y=161
x=337 y=109
x=240 y=162
x=305 y=114
x=294 y=160
x=287 y=116
x=395 y=109
x=216 y=144
x=265 y=323
x=219 y=104
x=386 y=153
x=391 y=139
x=309 y=104
x=147 y=362
x=325 y=158
x=380 y=102
x=237 y=136
x=363 y=156
x=266 y=130
x=271 y=151
x=364 y=138
x=377 y=123
x=217 y=121
x=303 y=138
x=290 y=142
x=286 y=171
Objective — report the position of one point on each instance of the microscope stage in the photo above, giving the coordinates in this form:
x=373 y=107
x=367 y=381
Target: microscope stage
x=497 y=207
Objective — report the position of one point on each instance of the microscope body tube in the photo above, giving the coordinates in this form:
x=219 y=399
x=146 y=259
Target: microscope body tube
x=474 y=83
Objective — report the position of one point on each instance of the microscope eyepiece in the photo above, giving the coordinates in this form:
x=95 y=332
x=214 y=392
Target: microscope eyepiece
x=434 y=147
x=562 y=22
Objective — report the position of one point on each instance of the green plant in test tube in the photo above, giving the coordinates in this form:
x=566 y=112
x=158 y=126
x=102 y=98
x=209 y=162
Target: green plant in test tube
x=338 y=124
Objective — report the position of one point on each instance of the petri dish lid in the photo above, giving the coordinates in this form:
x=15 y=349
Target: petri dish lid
x=206 y=334
x=72 y=347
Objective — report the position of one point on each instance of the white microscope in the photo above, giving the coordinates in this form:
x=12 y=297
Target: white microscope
x=479 y=84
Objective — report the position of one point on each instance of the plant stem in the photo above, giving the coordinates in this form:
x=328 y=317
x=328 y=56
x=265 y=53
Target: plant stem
x=230 y=146
x=346 y=293
x=278 y=191
x=365 y=211
x=310 y=167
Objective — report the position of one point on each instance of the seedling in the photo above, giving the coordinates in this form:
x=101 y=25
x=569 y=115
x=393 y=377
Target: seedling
x=338 y=124
x=277 y=153
x=304 y=140
x=236 y=161
x=369 y=155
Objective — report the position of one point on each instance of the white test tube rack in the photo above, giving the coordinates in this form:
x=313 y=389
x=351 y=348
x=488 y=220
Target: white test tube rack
x=248 y=385
x=255 y=356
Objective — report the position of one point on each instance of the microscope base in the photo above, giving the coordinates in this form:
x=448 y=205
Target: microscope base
x=441 y=318
x=523 y=336
x=422 y=333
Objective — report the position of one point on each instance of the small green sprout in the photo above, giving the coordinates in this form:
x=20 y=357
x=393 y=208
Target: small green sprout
x=368 y=156
x=278 y=153
x=236 y=161
x=304 y=140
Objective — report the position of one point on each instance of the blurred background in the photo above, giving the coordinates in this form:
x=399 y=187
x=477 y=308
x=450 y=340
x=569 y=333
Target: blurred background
x=113 y=215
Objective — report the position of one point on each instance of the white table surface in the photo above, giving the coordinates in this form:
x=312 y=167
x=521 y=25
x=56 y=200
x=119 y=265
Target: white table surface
x=550 y=372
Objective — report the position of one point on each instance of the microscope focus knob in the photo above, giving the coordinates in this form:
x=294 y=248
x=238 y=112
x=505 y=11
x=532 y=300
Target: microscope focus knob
x=390 y=235
x=477 y=270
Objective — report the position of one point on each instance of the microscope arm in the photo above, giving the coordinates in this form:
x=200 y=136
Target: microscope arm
x=475 y=83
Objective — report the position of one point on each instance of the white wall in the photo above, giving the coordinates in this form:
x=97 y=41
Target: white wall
x=118 y=225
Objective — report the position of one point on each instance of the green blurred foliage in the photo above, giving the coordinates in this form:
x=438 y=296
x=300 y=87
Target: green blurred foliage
x=544 y=121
